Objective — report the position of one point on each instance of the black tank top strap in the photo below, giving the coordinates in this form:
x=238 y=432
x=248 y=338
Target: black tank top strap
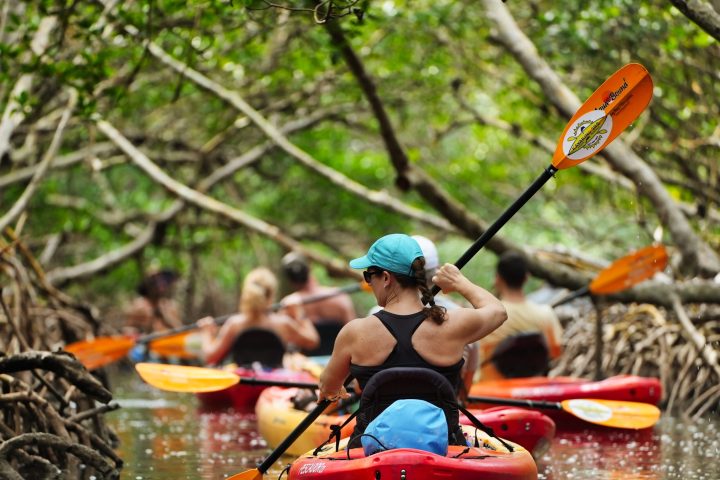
x=402 y=327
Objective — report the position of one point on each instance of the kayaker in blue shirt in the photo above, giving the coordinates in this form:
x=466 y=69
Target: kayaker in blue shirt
x=406 y=332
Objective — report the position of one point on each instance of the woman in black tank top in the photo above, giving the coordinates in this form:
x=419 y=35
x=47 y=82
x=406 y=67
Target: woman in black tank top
x=410 y=331
x=403 y=354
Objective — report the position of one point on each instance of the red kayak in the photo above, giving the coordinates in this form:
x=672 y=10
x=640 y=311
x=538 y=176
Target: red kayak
x=529 y=428
x=621 y=387
x=490 y=461
x=242 y=397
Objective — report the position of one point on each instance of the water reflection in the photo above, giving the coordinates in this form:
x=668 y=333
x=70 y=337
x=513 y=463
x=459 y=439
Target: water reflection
x=229 y=443
x=164 y=436
x=690 y=449
x=603 y=454
x=673 y=449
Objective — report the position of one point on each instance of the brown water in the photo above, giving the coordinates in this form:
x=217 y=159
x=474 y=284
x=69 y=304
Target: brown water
x=164 y=436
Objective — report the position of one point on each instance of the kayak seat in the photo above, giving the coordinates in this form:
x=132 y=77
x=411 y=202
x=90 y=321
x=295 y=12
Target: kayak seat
x=387 y=386
x=258 y=345
x=328 y=331
x=522 y=355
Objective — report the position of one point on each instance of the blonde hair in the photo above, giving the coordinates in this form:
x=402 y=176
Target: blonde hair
x=258 y=291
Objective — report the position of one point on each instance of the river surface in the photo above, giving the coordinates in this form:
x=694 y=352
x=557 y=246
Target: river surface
x=164 y=436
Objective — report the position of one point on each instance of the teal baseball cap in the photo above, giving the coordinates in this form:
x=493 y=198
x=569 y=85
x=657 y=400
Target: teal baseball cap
x=394 y=253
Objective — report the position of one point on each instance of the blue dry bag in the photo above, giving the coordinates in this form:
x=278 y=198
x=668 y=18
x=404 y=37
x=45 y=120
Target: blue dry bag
x=139 y=353
x=407 y=423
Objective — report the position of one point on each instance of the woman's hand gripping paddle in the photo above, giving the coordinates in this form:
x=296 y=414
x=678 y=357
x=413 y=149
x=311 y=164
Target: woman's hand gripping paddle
x=623 y=273
x=603 y=116
x=257 y=473
x=102 y=351
x=609 y=413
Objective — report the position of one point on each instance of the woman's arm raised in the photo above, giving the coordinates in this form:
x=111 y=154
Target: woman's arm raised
x=487 y=314
x=299 y=328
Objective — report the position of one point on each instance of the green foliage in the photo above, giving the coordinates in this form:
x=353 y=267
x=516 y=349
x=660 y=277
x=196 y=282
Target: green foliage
x=424 y=57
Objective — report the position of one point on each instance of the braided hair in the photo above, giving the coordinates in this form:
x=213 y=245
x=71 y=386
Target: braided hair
x=435 y=312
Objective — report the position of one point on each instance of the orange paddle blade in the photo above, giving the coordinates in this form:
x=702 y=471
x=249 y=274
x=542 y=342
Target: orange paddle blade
x=179 y=378
x=101 y=351
x=253 y=474
x=630 y=270
x=183 y=345
x=603 y=116
x=613 y=413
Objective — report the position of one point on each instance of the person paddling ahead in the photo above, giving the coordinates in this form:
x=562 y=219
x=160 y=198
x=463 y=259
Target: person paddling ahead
x=406 y=333
x=291 y=326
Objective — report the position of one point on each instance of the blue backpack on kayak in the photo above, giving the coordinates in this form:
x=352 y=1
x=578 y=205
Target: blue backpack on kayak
x=407 y=407
x=408 y=403
x=408 y=423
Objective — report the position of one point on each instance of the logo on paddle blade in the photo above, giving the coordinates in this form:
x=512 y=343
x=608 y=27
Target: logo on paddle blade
x=587 y=135
x=589 y=410
x=610 y=95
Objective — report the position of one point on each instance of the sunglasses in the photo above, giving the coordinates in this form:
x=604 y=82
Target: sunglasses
x=367 y=274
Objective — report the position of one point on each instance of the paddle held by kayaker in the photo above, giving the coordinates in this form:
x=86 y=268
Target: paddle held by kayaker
x=258 y=292
x=338 y=309
x=329 y=314
x=406 y=332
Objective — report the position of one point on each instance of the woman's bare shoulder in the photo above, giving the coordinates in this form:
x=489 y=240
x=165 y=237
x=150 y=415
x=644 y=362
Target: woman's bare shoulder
x=358 y=325
x=362 y=322
x=277 y=320
x=353 y=331
x=236 y=318
x=279 y=317
x=235 y=323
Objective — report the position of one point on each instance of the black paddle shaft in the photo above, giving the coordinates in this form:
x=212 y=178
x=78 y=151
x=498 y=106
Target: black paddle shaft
x=352 y=288
x=572 y=296
x=277 y=383
x=517 y=402
x=546 y=175
x=176 y=331
x=302 y=426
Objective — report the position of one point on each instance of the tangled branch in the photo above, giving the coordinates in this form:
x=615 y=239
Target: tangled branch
x=51 y=426
x=642 y=339
x=322 y=11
